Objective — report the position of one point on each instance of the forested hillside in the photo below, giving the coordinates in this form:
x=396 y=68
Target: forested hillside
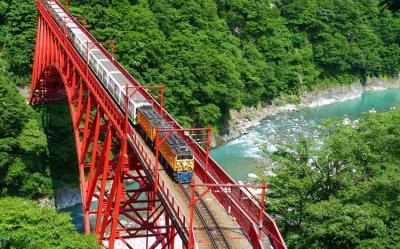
x=215 y=55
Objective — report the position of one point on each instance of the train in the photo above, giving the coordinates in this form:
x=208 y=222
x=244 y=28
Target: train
x=175 y=155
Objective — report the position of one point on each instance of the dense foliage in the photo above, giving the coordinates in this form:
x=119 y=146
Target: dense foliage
x=22 y=146
x=344 y=194
x=23 y=224
x=215 y=55
x=29 y=168
x=32 y=163
x=18 y=20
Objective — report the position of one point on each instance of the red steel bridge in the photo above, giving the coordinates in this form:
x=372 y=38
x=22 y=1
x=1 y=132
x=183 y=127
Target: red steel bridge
x=124 y=197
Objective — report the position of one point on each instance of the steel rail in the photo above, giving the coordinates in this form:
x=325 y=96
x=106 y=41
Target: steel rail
x=217 y=243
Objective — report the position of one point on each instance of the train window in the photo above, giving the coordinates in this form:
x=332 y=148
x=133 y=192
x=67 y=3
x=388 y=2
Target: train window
x=100 y=71
x=112 y=83
x=91 y=61
x=103 y=74
x=122 y=89
x=131 y=107
x=92 y=65
x=122 y=95
x=185 y=157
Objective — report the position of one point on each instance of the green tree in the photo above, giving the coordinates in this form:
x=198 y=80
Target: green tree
x=22 y=145
x=18 y=28
x=24 y=224
x=343 y=194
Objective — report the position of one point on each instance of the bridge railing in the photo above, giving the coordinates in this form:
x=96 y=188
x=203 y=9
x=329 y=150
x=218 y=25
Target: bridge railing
x=249 y=206
x=149 y=164
x=214 y=171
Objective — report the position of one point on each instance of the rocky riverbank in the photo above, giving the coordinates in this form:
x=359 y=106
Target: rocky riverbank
x=243 y=121
x=64 y=198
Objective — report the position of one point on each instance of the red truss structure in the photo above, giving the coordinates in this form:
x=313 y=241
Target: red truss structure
x=116 y=191
x=122 y=195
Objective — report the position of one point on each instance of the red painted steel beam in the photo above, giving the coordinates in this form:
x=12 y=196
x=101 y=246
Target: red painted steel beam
x=98 y=129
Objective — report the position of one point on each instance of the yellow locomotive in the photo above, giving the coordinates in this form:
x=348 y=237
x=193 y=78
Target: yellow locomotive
x=175 y=156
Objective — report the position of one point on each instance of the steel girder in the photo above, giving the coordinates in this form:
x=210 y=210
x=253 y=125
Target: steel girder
x=118 y=197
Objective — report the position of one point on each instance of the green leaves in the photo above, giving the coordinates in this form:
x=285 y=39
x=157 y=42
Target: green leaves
x=208 y=114
x=18 y=28
x=23 y=224
x=343 y=194
x=32 y=139
x=226 y=53
x=334 y=224
x=23 y=144
x=13 y=111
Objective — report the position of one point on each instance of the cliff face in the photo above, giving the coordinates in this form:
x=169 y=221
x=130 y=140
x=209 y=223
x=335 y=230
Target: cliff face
x=242 y=121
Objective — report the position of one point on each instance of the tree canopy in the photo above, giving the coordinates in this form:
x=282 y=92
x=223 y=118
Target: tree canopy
x=343 y=194
x=23 y=144
x=24 y=224
x=217 y=55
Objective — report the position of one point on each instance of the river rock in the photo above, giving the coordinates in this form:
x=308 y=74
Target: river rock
x=46 y=202
x=331 y=95
x=251 y=175
x=68 y=197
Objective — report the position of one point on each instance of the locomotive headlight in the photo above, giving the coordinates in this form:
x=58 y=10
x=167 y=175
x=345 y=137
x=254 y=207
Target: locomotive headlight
x=180 y=165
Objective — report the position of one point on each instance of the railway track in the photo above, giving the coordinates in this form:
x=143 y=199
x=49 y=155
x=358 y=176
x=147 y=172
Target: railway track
x=214 y=231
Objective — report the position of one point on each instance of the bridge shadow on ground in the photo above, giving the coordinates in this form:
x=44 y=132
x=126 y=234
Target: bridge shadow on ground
x=62 y=158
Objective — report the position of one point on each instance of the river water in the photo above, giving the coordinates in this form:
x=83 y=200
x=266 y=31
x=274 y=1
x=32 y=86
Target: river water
x=242 y=156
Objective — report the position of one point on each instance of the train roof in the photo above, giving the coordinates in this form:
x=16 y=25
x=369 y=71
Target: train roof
x=82 y=38
x=58 y=9
x=120 y=78
x=98 y=54
x=154 y=118
x=62 y=15
x=138 y=98
x=76 y=30
x=109 y=66
x=72 y=25
x=174 y=141
x=52 y=3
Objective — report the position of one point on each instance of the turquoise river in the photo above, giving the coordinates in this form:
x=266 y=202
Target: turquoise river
x=242 y=156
